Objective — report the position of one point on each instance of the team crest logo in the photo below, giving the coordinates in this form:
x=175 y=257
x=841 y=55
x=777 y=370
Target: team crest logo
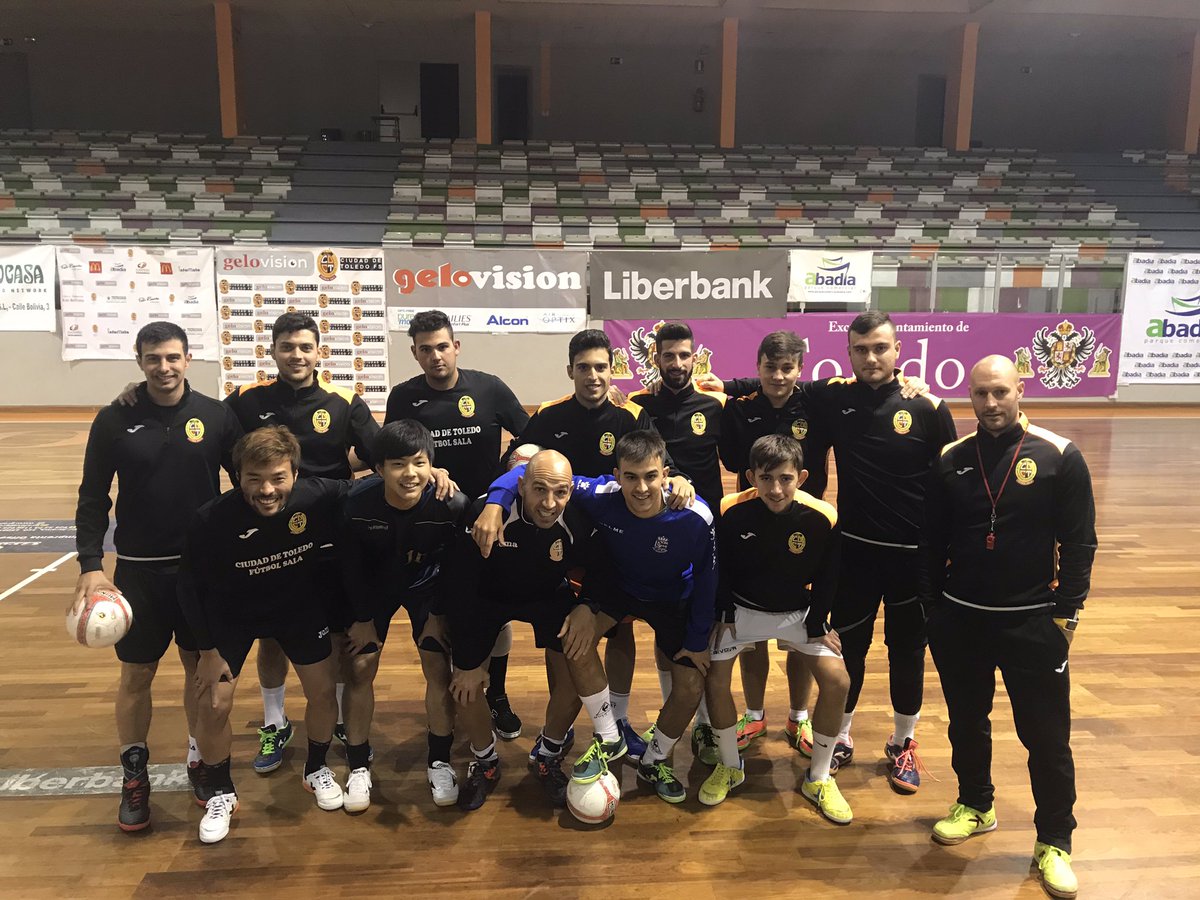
x=643 y=345
x=797 y=542
x=1026 y=470
x=289 y=287
x=699 y=424
x=799 y=429
x=327 y=265
x=466 y=406
x=1100 y=368
x=194 y=429
x=1062 y=354
x=224 y=286
x=620 y=366
x=556 y=550
x=660 y=544
x=902 y=422
x=1023 y=362
x=607 y=443
x=297 y=523
x=321 y=420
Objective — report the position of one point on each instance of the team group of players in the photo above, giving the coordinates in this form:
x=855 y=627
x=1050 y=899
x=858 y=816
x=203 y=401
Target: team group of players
x=620 y=516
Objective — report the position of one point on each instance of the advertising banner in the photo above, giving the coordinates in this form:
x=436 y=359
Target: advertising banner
x=1160 y=331
x=490 y=291
x=819 y=276
x=27 y=289
x=1056 y=355
x=639 y=284
x=342 y=289
x=108 y=293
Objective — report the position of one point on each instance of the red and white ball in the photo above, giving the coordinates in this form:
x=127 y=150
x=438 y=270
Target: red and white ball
x=522 y=455
x=594 y=803
x=102 y=621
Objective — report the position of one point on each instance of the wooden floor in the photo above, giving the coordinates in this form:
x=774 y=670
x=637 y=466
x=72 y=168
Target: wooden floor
x=1136 y=677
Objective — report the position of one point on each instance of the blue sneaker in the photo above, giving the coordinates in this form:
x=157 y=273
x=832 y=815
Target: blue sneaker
x=568 y=742
x=634 y=741
x=271 y=741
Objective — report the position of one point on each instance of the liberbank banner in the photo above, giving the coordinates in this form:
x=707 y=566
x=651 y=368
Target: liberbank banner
x=499 y=291
x=641 y=284
x=1160 y=334
x=1055 y=355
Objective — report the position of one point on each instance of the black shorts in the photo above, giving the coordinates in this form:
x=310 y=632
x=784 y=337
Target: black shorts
x=157 y=616
x=475 y=630
x=301 y=631
x=327 y=579
x=417 y=603
x=668 y=620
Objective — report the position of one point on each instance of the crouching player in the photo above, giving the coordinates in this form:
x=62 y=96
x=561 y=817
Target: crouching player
x=778 y=550
x=663 y=571
x=523 y=579
x=247 y=573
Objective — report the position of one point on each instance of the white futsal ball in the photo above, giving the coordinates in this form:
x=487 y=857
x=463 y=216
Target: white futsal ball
x=523 y=455
x=596 y=802
x=102 y=621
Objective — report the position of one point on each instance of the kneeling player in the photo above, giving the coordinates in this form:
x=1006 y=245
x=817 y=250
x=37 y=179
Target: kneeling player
x=247 y=573
x=392 y=541
x=775 y=541
x=523 y=579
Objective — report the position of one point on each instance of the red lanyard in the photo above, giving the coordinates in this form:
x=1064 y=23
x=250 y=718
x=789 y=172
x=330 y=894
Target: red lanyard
x=991 y=536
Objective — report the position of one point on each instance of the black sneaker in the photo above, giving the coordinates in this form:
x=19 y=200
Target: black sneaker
x=553 y=779
x=481 y=778
x=339 y=732
x=200 y=788
x=134 y=814
x=506 y=722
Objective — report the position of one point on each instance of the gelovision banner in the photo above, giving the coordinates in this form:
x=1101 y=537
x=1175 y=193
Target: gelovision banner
x=508 y=291
x=1055 y=355
x=342 y=289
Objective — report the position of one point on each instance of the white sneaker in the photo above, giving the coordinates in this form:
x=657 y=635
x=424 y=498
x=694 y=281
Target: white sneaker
x=217 y=814
x=325 y=787
x=443 y=782
x=358 y=790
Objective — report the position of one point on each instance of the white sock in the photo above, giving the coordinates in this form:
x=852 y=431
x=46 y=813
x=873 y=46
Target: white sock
x=844 y=734
x=273 y=706
x=822 y=756
x=756 y=715
x=702 y=713
x=487 y=754
x=664 y=683
x=727 y=744
x=906 y=727
x=340 y=689
x=660 y=748
x=193 y=751
x=798 y=715
x=620 y=705
x=600 y=708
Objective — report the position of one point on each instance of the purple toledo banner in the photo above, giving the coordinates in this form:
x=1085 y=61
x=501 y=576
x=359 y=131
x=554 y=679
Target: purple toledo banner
x=1057 y=355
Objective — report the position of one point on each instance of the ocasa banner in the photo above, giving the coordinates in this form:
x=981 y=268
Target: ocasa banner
x=108 y=293
x=1160 y=332
x=27 y=289
x=636 y=284
x=506 y=291
x=1055 y=355
x=821 y=276
x=341 y=288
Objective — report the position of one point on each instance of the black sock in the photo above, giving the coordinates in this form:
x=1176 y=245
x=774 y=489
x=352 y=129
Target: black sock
x=316 y=756
x=218 y=777
x=358 y=756
x=134 y=761
x=439 y=747
x=549 y=748
x=486 y=754
x=497 y=672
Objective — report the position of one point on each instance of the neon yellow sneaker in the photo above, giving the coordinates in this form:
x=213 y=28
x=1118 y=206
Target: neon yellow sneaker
x=962 y=823
x=704 y=745
x=717 y=786
x=799 y=735
x=826 y=797
x=1054 y=868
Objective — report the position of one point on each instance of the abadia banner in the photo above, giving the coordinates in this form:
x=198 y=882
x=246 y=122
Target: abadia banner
x=820 y=276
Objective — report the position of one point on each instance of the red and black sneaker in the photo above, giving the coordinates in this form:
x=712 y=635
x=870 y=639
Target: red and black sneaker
x=904 y=776
x=134 y=814
x=482 y=777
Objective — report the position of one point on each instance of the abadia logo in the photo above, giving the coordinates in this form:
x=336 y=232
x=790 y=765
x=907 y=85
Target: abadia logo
x=1184 y=308
x=831 y=272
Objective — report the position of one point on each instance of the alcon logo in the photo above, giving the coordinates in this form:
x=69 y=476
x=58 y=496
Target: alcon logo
x=496 y=279
x=634 y=286
x=832 y=271
x=1187 y=308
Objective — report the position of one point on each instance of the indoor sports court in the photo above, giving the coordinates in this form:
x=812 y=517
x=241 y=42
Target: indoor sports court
x=1011 y=179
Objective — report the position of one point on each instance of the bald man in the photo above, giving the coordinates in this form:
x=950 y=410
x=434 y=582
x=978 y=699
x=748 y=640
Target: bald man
x=1007 y=552
x=524 y=579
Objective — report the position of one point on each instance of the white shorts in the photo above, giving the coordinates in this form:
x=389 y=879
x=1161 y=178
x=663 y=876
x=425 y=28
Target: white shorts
x=751 y=626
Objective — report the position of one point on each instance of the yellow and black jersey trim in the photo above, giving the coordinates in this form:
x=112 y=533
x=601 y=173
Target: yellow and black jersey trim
x=550 y=403
x=729 y=501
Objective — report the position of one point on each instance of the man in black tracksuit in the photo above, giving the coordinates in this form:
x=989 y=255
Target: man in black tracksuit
x=1008 y=545
x=166 y=449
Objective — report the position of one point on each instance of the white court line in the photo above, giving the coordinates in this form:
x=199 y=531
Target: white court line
x=38 y=573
